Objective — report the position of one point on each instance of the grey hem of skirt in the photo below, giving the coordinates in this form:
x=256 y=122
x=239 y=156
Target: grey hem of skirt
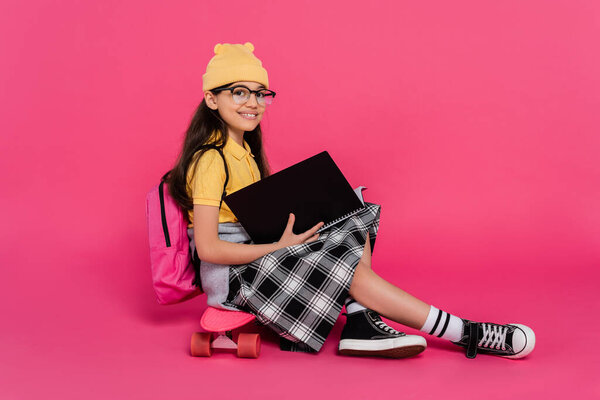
x=215 y=277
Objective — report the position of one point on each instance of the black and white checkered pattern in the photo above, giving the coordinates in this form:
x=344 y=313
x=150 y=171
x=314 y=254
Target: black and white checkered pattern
x=299 y=291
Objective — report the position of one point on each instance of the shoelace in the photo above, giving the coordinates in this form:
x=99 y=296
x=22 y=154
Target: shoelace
x=382 y=325
x=494 y=336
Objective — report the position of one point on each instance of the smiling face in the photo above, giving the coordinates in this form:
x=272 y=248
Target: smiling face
x=240 y=118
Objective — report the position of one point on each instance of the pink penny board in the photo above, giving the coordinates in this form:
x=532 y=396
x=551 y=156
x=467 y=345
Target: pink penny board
x=218 y=320
x=221 y=323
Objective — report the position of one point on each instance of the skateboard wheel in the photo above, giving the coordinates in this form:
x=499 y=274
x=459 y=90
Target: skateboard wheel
x=248 y=345
x=200 y=346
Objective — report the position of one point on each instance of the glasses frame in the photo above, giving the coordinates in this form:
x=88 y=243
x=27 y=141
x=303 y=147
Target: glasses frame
x=232 y=88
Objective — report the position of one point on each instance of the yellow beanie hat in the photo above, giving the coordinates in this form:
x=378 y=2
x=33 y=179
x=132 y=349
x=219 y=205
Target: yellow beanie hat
x=231 y=63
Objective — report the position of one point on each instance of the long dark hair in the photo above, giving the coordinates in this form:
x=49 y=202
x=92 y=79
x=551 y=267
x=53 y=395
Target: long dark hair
x=204 y=122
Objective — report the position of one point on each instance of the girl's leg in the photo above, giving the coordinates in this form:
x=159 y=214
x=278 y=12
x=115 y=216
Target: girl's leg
x=370 y=290
x=364 y=333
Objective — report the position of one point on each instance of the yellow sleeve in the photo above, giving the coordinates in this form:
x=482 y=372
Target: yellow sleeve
x=206 y=183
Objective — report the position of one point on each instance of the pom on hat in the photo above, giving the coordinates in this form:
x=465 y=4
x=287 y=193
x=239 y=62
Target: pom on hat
x=231 y=63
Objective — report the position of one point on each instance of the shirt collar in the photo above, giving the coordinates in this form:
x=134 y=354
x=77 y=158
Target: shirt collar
x=232 y=147
x=236 y=150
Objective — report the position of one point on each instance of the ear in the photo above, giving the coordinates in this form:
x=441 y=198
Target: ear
x=211 y=100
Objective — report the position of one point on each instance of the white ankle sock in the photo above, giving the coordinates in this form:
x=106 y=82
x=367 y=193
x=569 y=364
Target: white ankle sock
x=444 y=325
x=353 y=305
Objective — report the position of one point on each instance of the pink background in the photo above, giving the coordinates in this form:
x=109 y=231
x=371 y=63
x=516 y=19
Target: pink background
x=474 y=124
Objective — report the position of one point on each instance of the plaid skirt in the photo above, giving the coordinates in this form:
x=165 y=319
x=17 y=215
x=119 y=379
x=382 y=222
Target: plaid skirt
x=299 y=291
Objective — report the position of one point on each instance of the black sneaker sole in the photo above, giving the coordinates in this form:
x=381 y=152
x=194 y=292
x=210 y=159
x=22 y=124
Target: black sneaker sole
x=401 y=352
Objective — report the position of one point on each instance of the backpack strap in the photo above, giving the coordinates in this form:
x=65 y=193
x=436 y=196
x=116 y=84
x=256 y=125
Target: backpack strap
x=220 y=150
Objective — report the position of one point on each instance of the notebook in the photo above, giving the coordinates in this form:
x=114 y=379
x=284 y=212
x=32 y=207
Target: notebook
x=314 y=190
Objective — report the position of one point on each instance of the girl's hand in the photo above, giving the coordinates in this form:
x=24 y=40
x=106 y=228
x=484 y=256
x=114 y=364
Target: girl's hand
x=290 y=239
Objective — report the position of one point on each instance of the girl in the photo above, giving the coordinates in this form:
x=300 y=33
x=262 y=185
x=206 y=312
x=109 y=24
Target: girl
x=298 y=285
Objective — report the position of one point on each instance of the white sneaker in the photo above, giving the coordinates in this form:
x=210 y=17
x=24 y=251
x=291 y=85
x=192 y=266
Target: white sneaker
x=509 y=340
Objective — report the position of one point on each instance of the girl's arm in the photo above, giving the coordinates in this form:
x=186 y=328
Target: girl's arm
x=214 y=250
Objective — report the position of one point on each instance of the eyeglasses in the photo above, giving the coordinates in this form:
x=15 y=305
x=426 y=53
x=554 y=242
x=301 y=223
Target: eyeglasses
x=241 y=94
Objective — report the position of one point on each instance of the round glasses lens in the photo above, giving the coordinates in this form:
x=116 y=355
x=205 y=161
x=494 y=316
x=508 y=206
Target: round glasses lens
x=241 y=95
x=265 y=97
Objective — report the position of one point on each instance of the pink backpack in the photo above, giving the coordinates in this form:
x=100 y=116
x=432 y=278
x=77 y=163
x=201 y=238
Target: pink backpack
x=173 y=273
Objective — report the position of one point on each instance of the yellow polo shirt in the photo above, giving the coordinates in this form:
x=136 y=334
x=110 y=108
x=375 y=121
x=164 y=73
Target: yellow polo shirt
x=206 y=185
